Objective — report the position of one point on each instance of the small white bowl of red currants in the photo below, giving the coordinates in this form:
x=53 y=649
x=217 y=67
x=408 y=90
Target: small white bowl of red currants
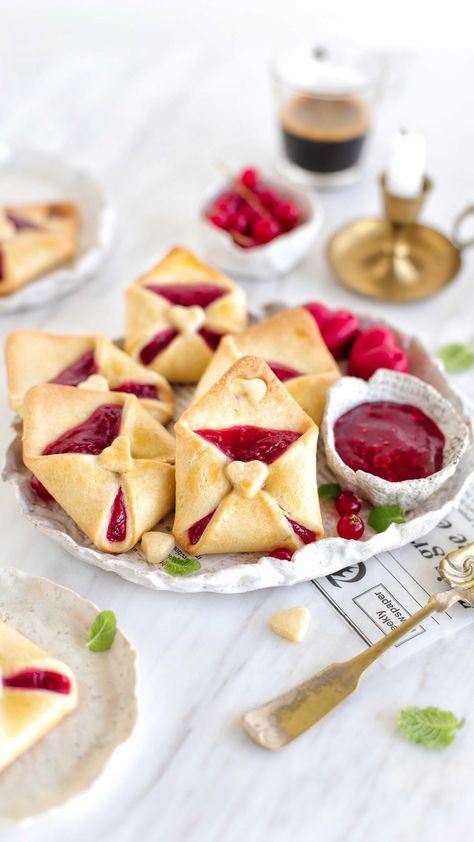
x=256 y=227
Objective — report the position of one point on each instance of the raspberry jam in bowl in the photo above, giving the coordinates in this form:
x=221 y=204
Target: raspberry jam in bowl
x=393 y=439
x=241 y=243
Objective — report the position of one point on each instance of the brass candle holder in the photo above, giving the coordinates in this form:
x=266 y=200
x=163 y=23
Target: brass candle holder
x=396 y=258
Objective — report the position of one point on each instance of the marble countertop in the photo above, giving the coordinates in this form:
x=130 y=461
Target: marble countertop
x=152 y=126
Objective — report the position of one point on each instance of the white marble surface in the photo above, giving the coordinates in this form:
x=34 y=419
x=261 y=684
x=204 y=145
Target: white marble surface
x=151 y=124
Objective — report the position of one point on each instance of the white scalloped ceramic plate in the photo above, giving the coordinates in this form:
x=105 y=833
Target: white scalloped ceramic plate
x=71 y=757
x=28 y=176
x=247 y=572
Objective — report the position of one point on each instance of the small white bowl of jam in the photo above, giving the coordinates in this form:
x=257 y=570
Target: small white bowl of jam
x=393 y=439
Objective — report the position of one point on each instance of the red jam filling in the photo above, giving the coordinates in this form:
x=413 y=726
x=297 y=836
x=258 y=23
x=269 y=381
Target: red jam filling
x=141 y=390
x=92 y=436
x=283 y=372
x=211 y=337
x=117 y=528
x=282 y=553
x=79 y=371
x=40 y=490
x=189 y=295
x=157 y=345
x=390 y=440
x=20 y=223
x=307 y=536
x=196 y=530
x=37 y=679
x=247 y=443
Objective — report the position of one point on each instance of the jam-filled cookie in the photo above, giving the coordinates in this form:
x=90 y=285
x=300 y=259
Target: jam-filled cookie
x=34 y=240
x=291 y=344
x=103 y=458
x=91 y=362
x=36 y=692
x=177 y=314
x=246 y=467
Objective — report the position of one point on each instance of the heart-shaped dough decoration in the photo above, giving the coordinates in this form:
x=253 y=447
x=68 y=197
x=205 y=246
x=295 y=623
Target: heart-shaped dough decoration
x=254 y=390
x=117 y=457
x=247 y=477
x=186 y=319
x=96 y=382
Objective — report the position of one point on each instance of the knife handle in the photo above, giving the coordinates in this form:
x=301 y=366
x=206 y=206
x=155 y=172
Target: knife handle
x=278 y=722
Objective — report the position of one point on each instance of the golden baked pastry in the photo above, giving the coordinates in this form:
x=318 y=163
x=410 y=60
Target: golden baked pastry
x=34 y=357
x=34 y=240
x=177 y=313
x=291 y=344
x=246 y=467
x=103 y=458
x=36 y=692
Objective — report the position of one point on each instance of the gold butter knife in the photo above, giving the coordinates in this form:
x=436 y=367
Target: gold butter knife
x=275 y=724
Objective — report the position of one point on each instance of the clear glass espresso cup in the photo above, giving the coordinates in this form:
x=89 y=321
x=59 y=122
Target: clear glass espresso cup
x=325 y=102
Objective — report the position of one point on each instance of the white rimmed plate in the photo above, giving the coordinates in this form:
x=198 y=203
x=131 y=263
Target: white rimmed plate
x=27 y=175
x=72 y=755
x=246 y=572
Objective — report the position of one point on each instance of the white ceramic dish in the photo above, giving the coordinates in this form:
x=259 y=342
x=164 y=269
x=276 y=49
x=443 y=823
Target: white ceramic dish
x=71 y=757
x=387 y=385
x=274 y=258
x=28 y=176
x=247 y=572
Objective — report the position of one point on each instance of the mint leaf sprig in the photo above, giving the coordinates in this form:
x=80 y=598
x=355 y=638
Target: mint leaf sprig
x=381 y=517
x=329 y=491
x=430 y=727
x=456 y=357
x=102 y=632
x=177 y=566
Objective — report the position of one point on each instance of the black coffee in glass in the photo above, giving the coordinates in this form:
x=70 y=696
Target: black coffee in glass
x=324 y=134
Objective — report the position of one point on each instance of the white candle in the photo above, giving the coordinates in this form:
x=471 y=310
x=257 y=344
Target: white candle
x=406 y=165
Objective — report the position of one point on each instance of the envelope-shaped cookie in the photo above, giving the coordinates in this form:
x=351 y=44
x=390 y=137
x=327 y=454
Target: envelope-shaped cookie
x=177 y=314
x=34 y=239
x=36 y=692
x=246 y=467
x=291 y=344
x=103 y=458
x=34 y=357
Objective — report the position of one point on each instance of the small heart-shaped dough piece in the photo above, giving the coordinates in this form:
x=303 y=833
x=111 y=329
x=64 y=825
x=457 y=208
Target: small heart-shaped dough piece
x=95 y=382
x=254 y=390
x=117 y=457
x=157 y=546
x=186 y=319
x=291 y=624
x=247 y=477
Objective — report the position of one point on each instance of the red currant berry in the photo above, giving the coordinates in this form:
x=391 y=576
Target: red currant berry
x=249 y=178
x=264 y=230
x=240 y=222
x=282 y=553
x=347 y=503
x=288 y=214
x=219 y=219
x=350 y=527
x=268 y=198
